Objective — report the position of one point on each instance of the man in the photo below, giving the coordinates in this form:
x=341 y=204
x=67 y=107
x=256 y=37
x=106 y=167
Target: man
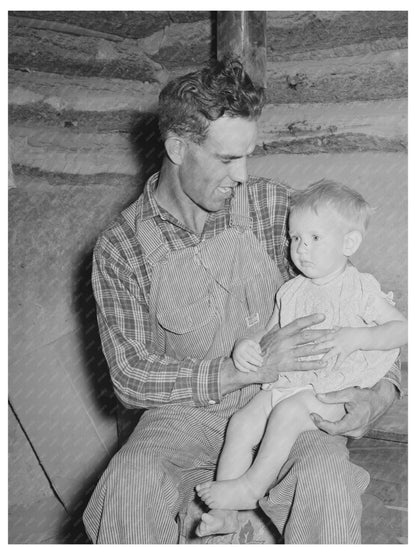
x=186 y=270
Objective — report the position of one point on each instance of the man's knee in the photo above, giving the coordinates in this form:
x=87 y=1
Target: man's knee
x=323 y=459
x=136 y=500
x=134 y=470
x=318 y=444
x=317 y=450
x=317 y=497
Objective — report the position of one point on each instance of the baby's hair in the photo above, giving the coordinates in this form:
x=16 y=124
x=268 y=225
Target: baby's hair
x=349 y=204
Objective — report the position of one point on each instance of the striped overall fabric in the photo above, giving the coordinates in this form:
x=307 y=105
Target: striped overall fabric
x=152 y=478
x=201 y=300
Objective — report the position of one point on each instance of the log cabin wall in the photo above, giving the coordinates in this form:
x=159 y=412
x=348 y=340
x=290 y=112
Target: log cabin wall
x=337 y=108
x=83 y=90
x=81 y=84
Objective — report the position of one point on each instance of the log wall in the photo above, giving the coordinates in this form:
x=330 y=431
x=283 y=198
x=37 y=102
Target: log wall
x=81 y=83
x=81 y=86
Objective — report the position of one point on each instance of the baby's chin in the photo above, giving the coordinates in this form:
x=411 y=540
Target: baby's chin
x=310 y=273
x=310 y=276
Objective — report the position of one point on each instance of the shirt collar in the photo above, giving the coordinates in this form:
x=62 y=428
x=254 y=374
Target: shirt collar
x=148 y=207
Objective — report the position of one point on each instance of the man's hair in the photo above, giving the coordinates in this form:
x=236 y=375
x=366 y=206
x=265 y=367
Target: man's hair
x=347 y=203
x=188 y=104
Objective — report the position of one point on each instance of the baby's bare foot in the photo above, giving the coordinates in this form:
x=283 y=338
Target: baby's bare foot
x=217 y=521
x=229 y=494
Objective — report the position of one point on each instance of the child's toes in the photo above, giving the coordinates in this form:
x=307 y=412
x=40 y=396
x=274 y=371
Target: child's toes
x=203 y=488
x=205 y=497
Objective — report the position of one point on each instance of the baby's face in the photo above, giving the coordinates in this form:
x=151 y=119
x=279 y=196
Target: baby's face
x=317 y=242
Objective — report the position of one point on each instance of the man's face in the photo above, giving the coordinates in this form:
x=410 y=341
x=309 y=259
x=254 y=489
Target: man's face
x=317 y=242
x=210 y=171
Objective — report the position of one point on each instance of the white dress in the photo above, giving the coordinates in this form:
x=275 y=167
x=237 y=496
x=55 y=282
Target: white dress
x=346 y=301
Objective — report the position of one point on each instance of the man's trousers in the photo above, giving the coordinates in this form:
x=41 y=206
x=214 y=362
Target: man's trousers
x=317 y=498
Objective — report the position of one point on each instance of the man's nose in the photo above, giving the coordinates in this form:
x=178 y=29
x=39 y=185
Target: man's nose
x=238 y=170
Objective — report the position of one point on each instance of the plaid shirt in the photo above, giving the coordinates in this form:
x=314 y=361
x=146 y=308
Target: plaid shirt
x=121 y=280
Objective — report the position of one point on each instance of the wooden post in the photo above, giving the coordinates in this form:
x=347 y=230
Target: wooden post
x=243 y=34
x=12 y=184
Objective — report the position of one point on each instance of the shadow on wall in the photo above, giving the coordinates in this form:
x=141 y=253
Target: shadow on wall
x=94 y=363
x=147 y=144
x=148 y=152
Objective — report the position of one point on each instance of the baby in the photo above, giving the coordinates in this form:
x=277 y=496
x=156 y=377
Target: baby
x=326 y=225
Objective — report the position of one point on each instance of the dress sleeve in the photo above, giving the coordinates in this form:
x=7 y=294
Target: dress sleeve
x=371 y=291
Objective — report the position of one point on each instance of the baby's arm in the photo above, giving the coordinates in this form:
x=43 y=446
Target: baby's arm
x=389 y=333
x=391 y=329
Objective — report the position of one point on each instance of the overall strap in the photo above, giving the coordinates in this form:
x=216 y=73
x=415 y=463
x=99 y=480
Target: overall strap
x=240 y=214
x=149 y=235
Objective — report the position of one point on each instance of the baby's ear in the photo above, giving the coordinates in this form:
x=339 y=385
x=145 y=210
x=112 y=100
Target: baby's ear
x=352 y=242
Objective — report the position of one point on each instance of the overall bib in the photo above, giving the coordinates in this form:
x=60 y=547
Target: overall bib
x=203 y=298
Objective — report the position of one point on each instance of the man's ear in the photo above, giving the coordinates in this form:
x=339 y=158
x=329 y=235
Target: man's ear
x=352 y=241
x=175 y=149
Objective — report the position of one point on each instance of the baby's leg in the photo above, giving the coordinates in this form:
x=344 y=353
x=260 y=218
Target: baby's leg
x=288 y=419
x=244 y=432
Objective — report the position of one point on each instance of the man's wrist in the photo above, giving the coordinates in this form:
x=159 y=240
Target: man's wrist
x=232 y=379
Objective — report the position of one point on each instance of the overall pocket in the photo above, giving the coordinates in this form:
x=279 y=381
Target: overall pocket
x=189 y=329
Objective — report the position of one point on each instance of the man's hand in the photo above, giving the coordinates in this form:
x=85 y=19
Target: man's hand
x=363 y=407
x=247 y=355
x=283 y=348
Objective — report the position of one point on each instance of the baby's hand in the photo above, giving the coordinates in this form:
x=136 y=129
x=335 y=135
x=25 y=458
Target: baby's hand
x=341 y=342
x=246 y=355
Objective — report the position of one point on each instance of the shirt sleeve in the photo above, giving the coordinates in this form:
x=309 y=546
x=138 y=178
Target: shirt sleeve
x=141 y=377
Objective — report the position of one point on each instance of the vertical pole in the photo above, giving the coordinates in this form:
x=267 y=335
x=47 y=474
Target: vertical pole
x=243 y=35
x=12 y=184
